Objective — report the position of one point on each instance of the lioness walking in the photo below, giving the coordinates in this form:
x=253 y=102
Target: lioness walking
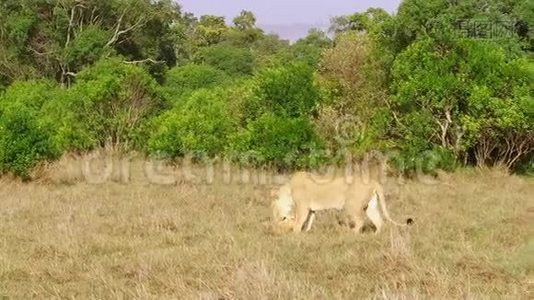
x=306 y=193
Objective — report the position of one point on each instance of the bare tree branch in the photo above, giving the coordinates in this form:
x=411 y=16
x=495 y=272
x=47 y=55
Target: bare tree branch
x=71 y=23
x=146 y=60
x=118 y=32
x=39 y=53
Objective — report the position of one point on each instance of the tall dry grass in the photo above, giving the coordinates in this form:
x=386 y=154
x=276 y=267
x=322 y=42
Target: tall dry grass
x=65 y=238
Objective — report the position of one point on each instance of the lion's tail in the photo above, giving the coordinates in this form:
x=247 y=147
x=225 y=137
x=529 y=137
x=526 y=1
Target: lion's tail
x=382 y=199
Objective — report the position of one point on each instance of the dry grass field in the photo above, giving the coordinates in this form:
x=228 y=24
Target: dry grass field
x=472 y=239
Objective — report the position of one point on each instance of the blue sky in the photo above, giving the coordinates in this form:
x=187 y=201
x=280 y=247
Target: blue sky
x=280 y=14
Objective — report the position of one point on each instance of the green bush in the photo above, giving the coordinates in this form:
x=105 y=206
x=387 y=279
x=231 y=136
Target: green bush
x=282 y=142
x=411 y=160
x=113 y=101
x=186 y=79
x=88 y=46
x=26 y=138
x=287 y=91
x=466 y=96
x=232 y=60
x=306 y=50
x=200 y=126
x=526 y=166
x=61 y=114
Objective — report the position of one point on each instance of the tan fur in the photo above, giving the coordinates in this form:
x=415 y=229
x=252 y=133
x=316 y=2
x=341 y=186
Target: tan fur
x=283 y=205
x=311 y=193
x=281 y=208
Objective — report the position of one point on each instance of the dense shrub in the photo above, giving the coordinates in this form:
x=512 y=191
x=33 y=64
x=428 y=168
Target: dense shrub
x=186 y=79
x=416 y=82
x=282 y=142
x=88 y=47
x=307 y=50
x=526 y=166
x=354 y=114
x=60 y=112
x=287 y=90
x=113 y=100
x=25 y=137
x=232 y=60
x=466 y=96
x=200 y=126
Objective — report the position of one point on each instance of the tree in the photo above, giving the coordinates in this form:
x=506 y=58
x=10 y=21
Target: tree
x=464 y=96
x=200 y=126
x=280 y=141
x=113 y=100
x=210 y=30
x=355 y=92
x=184 y=80
x=307 y=49
x=232 y=60
x=267 y=47
x=56 y=39
x=287 y=91
x=417 y=18
x=245 y=21
x=26 y=138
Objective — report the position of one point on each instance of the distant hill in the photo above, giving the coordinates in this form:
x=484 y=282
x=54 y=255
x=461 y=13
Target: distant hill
x=292 y=32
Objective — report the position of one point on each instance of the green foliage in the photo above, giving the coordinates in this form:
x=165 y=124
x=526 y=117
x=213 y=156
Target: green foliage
x=306 y=50
x=526 y=166
x=113 y=99
x=210 y=30
x=56 y=39
x=287 y=91
x=88 y=47
x=369 y=21
x=267 y=47
x=418 y=18
x=232 y=60
x=279 y=141
x=467 y=97
x=201 y=126
x=144 y=75
x=184 y=80
x=411 y=159
x=245 y=20
x=60 y=112
x=25 y=138
x=18 y=27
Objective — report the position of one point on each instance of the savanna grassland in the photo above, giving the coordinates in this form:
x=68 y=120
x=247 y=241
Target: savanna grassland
x=68 y=239
x=436 y=86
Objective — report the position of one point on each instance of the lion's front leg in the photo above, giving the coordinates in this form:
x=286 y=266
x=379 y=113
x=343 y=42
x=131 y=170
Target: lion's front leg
x=310 y=219
x=300 y=218
x=356 y=221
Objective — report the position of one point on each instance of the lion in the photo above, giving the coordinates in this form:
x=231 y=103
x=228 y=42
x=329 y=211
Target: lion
x=283 y=205
x=306 y=193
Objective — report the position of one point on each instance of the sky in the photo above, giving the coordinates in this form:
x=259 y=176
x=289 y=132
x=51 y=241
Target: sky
x=286 y=17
